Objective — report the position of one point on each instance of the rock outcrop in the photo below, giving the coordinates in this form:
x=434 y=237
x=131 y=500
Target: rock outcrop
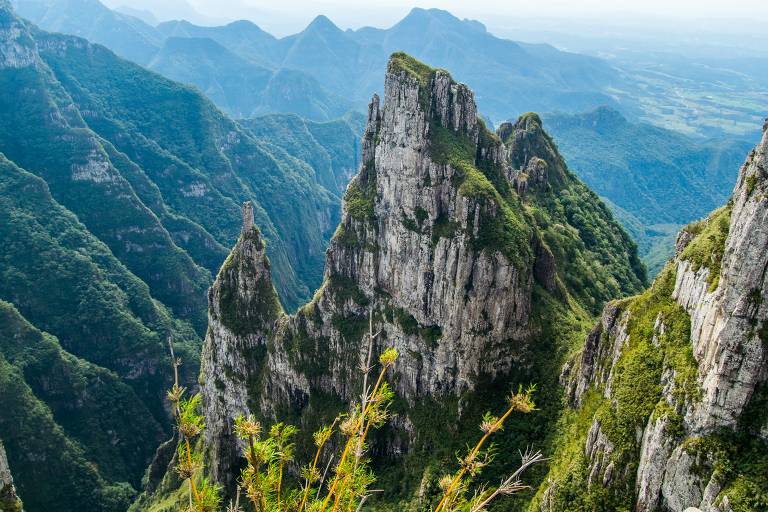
x=9 y=500
x=443 y=253
x=689 y=429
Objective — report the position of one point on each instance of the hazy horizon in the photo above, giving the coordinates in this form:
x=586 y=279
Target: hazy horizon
x=292 y=16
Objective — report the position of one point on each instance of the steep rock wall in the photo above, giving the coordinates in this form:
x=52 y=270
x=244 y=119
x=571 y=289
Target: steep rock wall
x=446 y=257
x=693 y=432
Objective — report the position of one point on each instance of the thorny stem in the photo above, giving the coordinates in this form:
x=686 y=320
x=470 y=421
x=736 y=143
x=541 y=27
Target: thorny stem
x=363 y=430
x=191 y=478
x=175 y=362
x=325 y=472
x=471 y=457
x=177 y=413
x=252 y=451
x=511 y=484
x=366 y=370
x=279 y=482
x=338 y=495
x=349 y=442
x=314 y=468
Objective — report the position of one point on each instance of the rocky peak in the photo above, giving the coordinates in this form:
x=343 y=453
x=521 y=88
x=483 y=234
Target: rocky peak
x=243 y=297
x=247 y=218
x=413 y=89
x=434 y=243
x=243 y=310
x=322 y=23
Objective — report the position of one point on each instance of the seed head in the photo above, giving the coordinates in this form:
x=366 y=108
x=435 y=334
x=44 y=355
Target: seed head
x=246 y=427
x=388 y=357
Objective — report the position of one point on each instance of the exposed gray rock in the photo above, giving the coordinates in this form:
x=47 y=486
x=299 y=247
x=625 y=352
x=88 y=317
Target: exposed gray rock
x=727 y=316
x=243 y=310
x=475 y=303
x=409 y=251
x=602 y=349
x=684 y=237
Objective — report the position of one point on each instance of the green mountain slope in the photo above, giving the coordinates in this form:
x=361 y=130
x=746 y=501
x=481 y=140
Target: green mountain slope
x=332 y=148
x=93 y=425
x=69 y=426
x=42 y=131
x=598 y=260
x=658 y=179
x=202 y=164
x=119 y=190
x=92 y=20
x=667 y=398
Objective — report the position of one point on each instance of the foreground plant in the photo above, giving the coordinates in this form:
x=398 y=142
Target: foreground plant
x=343 y=483
x=204 y=497
x=456 y=488
x=266 y=457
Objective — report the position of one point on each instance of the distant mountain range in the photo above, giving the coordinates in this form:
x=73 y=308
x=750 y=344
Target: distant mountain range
x=655 y=179
x=324 y=71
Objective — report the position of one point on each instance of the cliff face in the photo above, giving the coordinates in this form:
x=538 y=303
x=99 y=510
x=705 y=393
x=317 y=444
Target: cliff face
x=691 y=430
x=447 y=256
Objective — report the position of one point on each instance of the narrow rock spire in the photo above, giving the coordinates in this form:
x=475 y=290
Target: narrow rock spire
x=247 y=217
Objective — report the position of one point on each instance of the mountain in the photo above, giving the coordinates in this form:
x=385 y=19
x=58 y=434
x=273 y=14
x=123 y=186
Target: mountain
x=329 y=147
x=481 y=258
x=90 y=19
x=236 y=79
x=658 y=179
x=241 y=88
x=327 y=63
x=77 y=417
x=711 y=97
x=81 y=410
x=118 y=189
x=241 y=37
x=670 y=391
x=509 y=77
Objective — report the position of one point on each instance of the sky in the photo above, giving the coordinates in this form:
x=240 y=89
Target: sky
x=290 y=16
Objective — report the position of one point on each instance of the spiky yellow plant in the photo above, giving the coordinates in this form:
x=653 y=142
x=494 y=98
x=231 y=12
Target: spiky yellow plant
x=189 y=424
x=456 y=487
x=267 y=453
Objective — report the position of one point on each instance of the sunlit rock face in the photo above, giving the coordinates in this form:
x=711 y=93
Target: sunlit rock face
x=719 y=281
x=435 y=247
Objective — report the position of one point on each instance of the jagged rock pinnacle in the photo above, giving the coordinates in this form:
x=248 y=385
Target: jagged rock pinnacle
x=446 y=262
x=247 y=217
